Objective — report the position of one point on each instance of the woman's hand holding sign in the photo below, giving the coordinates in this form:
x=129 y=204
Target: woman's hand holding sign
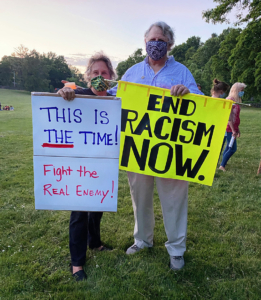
x=67 y=93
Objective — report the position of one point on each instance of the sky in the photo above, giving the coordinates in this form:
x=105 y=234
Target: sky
x=77 y=29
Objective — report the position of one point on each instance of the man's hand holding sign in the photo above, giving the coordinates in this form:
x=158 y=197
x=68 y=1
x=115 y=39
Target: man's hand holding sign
x=179 y=90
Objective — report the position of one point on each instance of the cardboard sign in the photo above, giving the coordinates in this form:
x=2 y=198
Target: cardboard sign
x=171 y=137
x=76 y=152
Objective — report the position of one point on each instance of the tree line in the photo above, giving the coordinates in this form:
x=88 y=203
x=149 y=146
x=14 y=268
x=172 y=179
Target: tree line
x=32 y=71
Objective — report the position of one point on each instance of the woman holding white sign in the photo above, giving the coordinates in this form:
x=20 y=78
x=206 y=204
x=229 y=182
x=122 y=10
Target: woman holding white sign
x=85 y=226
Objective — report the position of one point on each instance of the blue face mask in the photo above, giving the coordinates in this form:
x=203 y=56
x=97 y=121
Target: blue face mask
x=240 y=94
x=222 y=95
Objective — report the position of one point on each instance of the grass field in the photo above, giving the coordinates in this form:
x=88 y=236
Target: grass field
x=223 y=258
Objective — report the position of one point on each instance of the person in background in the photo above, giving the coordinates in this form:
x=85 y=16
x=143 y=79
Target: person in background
x=199 y=86
x=236 y=93
x=219 y=90
x=85 y=227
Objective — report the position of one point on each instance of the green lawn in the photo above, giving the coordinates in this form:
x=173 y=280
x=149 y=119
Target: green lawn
x=223 y=258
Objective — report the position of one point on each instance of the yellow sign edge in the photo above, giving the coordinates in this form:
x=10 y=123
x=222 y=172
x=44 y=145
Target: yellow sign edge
x=162 y=89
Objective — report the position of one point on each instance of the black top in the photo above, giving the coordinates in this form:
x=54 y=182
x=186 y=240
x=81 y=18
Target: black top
x=87 y=92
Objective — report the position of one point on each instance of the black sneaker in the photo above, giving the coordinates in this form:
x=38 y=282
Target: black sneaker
x=80 y=275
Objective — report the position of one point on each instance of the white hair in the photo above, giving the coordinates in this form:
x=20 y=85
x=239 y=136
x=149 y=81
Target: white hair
x=166 y=30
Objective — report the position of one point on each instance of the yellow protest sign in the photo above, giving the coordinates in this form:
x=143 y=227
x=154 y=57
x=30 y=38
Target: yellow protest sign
x=171 y=137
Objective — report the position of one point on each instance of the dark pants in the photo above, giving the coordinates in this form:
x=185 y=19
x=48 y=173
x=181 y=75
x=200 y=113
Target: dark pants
x=80 y=223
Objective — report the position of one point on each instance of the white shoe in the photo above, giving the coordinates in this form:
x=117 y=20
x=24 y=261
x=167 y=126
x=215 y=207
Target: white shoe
x=133 y=249
x=176 y=262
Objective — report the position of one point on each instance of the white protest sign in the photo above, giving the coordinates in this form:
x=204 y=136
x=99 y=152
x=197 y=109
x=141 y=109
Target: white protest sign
x=76 y=152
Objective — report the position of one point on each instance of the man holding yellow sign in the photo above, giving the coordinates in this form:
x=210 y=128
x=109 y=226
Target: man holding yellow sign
x=157 y=70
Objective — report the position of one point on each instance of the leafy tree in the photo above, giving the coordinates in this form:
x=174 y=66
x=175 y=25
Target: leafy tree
x=30 y=69
x=245 y=58
x=35 y=72
x=190 y=52
x=204 y=53
x=58 y=69
x=220 y=66
x=200 y=62
x=258 y=73
x=21 y=52
x=179 y=53
x=15 y=66
x=194 y=41
x=6 y=74
x=219 y=13
x=182 y=53
x=133 y=59
x=207 y=77
x=76 y=77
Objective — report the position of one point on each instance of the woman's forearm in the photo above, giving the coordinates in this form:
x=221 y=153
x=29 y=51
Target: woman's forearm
x=230 y=123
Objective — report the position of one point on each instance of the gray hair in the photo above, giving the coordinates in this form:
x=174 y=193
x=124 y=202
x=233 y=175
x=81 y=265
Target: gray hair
x=166 y=30
x=98 y=56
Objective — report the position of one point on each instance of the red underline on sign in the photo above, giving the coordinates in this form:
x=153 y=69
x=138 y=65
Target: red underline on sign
x=46 y=145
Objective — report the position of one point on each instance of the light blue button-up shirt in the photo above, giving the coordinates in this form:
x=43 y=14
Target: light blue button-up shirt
x=172 y=73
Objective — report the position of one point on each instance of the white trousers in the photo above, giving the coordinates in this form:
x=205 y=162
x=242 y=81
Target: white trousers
x=173 y=196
